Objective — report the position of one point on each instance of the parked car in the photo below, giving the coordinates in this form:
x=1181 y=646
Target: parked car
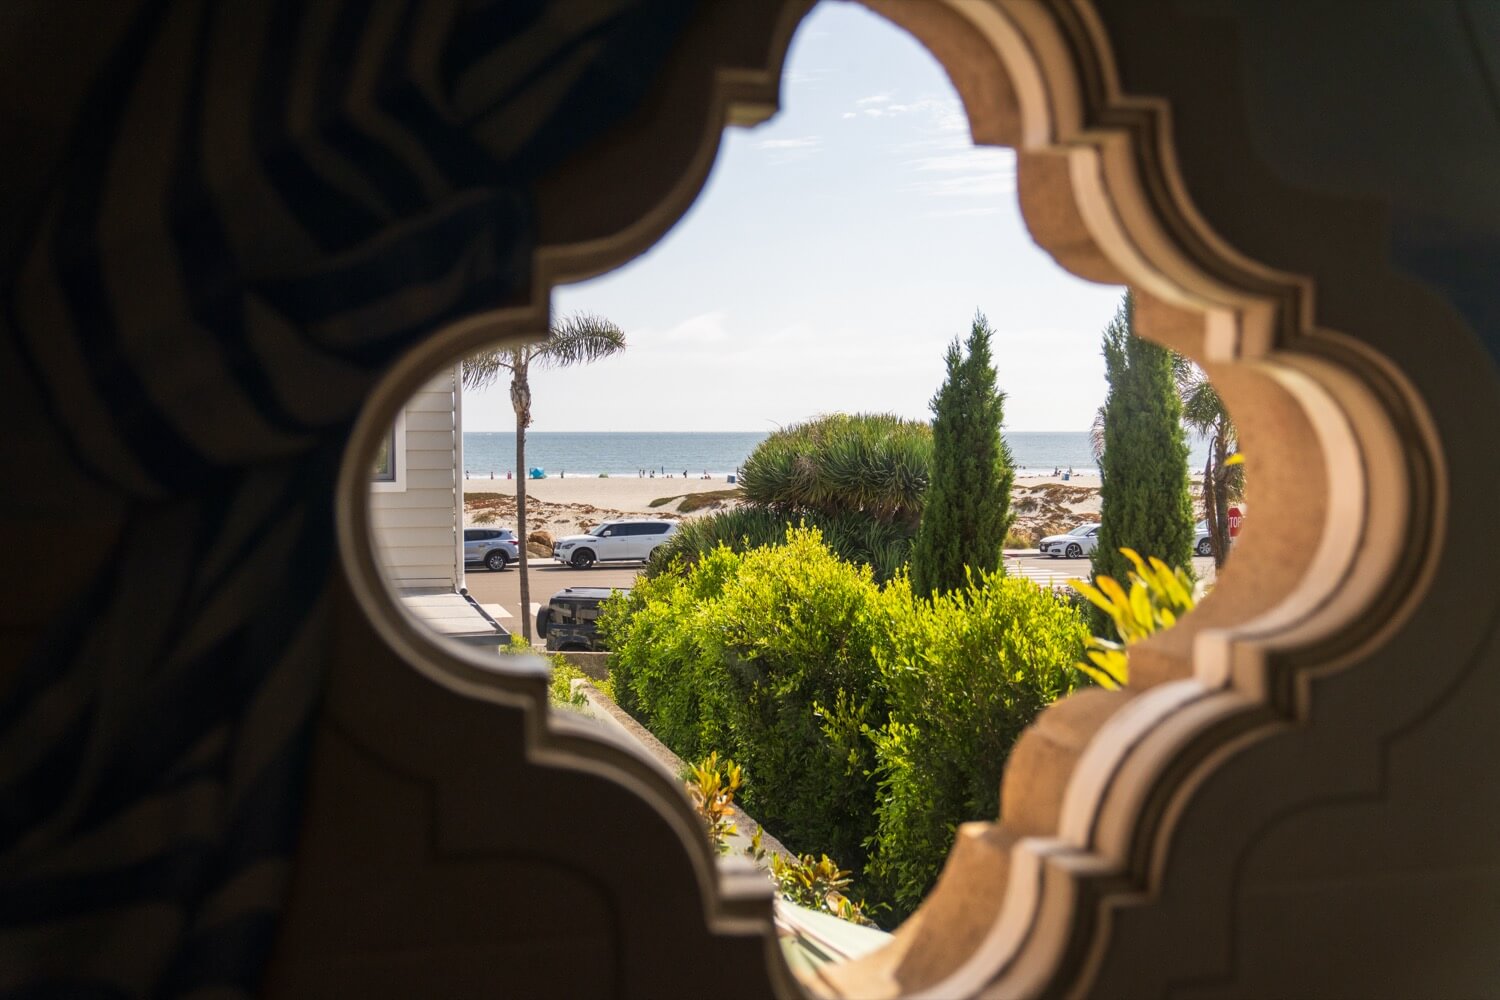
x=614 y=541
x=568 y=622
x=1201 y=544
x=494 y=548
x=1075 y=544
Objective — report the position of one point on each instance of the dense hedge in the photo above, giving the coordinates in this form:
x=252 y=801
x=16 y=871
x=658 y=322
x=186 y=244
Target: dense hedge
x=869 y=723
x=764 y=657
x=883 y=546
x=963 y=674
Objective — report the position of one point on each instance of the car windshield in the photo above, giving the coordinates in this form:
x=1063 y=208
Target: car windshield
x=595 y=531
x=1082 y=529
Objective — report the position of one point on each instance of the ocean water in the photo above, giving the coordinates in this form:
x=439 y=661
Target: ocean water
x=627 y=453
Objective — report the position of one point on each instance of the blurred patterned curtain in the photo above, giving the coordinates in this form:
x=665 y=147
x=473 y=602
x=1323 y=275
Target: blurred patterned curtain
x=221 y=223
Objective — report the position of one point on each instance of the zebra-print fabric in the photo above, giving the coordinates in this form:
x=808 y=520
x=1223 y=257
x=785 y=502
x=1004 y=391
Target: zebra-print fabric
x=225 y=221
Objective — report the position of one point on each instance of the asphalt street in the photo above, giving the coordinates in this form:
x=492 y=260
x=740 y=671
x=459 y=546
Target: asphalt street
x=500 y=593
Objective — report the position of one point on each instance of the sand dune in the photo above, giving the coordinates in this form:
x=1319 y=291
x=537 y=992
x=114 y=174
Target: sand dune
x=1043 y=504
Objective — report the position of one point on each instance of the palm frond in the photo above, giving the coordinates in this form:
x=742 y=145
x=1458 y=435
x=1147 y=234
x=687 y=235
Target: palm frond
x=578 y=339
x=488 y=367
x=1096 y=437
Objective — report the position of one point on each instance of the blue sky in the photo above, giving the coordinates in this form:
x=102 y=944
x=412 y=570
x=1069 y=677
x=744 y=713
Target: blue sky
x=831 y=257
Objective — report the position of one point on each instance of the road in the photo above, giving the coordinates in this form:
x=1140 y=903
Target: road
x=500 y=592
x=1047 y=571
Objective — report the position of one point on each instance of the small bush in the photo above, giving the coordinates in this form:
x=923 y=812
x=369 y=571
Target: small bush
x=1021 y=538
x=561 y=692
x=818 y=884
x=707 y=499
x=711 y=784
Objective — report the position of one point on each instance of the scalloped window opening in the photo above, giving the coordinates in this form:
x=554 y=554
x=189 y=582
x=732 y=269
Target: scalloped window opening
x=739 y=446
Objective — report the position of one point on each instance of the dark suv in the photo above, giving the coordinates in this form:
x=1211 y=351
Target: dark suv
x=568 y=620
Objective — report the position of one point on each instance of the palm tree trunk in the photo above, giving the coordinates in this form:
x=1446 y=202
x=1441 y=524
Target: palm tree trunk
x=520 y=401
x=521 y=533
x=1211 y=506
x=1220 y=524
x=521 y=529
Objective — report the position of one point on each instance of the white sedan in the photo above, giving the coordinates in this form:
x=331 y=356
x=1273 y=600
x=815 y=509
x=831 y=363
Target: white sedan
x=1075 y=544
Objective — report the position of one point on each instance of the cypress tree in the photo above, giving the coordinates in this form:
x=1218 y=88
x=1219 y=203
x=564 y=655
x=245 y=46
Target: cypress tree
x=1145 y=498
x=967 y=509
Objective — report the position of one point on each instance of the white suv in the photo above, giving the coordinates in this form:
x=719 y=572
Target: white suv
x=614 y=541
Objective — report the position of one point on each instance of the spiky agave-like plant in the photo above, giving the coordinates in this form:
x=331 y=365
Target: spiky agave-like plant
x=876 y=464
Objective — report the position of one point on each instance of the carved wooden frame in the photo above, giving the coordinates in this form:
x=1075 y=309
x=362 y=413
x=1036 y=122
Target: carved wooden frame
x=1097 y=795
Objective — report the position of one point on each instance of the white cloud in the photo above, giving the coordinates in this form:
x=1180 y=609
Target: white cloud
x=850 y=114
x=805 y=78
x=875 y=99
x=961 y=213
x=975 y=173
x=704 y=330
x=805 y=142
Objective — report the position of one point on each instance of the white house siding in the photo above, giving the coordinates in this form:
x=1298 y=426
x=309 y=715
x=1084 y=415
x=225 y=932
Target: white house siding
x=416 y=524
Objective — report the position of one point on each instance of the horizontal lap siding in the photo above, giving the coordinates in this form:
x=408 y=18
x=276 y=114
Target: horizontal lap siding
x=415 y=528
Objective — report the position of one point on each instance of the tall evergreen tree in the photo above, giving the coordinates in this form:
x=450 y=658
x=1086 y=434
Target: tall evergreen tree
x=967 y=509
x=1146 y=504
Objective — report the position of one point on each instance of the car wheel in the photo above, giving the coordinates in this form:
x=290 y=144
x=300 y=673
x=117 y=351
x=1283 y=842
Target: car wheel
x=1074 y=551
x=1205 y=549
x=496 y=560
x=583 y=559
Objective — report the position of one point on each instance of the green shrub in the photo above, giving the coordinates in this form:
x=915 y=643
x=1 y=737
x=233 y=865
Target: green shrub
x=711 y=784
x=765 y=657
x=963 y=675
x=561 y=690
x=560 y=687
x=818 y=884
x=869 y=723
x=1157 y=597
x=855 y=538
x=663 y=655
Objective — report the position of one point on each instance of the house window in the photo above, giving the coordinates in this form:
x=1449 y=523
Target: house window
x=388 y=467
x=384 y=469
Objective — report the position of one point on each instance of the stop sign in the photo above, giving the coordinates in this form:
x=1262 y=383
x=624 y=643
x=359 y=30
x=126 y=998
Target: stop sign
x=1234 y=521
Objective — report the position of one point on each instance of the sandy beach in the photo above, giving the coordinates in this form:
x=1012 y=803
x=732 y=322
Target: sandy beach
x=1043 y=504
x=567 y=506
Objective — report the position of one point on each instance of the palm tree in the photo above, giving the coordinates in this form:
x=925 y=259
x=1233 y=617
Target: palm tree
x=576 y=339
x=1204 y=412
